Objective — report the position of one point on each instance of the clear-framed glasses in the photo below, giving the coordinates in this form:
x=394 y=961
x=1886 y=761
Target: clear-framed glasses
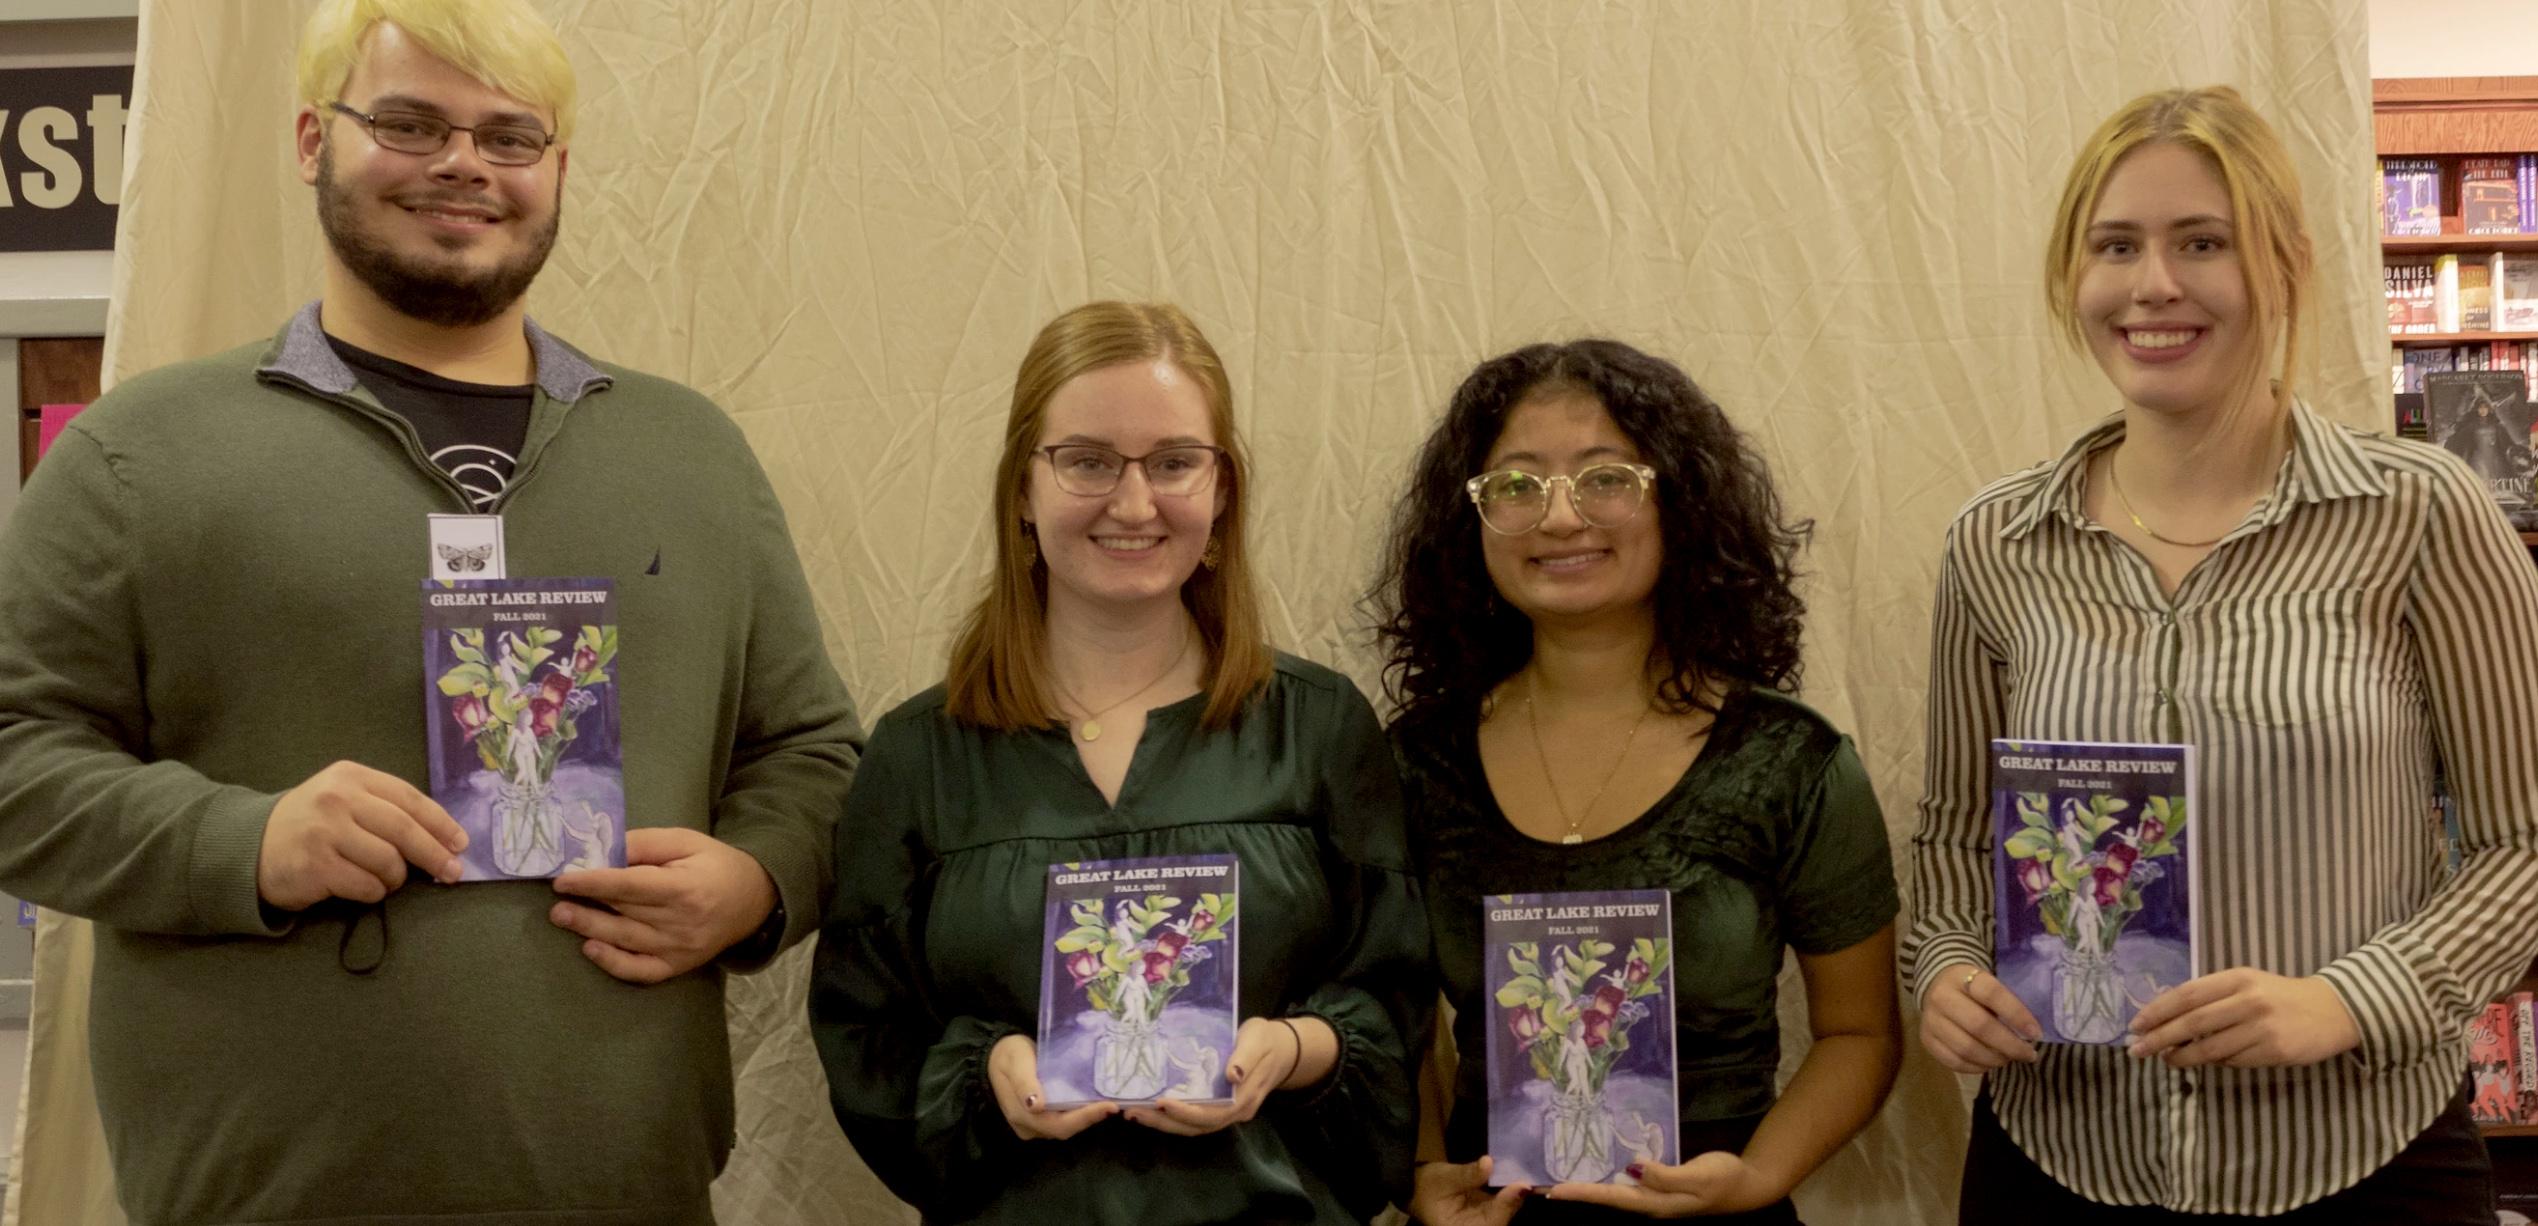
x=1513 y=502
x=503 y=144
x=1089 y=470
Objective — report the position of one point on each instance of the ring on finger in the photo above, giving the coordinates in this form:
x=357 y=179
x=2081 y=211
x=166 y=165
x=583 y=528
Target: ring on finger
x=1971 y=974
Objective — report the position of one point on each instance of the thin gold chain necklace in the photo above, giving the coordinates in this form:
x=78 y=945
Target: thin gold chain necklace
x=1091 y=728
x=1573 y=837
x=2117 y=485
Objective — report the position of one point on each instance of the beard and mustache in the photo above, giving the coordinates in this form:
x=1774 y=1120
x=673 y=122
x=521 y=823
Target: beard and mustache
x=445 y=293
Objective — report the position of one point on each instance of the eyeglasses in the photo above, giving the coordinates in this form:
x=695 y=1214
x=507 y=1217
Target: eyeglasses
x=1090 y=471
x=1513 y=502
x=503 y=144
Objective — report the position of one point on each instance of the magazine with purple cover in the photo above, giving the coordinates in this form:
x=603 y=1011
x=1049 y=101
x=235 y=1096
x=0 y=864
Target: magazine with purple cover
x=1581 y=1052
x=520 y=700
x=1139 y=980
x=2094 y=881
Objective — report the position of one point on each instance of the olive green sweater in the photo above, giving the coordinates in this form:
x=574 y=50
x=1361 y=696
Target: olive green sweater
x=209 y=591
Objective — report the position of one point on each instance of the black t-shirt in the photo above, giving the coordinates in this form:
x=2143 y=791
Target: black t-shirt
x=473 y=431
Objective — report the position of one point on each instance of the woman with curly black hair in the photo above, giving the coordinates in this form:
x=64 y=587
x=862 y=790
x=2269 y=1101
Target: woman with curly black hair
x=1589 y=628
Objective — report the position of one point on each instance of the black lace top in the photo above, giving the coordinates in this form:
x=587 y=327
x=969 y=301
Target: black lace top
x=1770 y=839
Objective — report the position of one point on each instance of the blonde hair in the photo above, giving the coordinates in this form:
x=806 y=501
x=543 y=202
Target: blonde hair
x=2270 y=229
x=503 y=43
x=999 y=674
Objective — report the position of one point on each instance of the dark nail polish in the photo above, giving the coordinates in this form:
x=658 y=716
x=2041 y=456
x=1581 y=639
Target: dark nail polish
x=1032 y=1101
x=1633 y=1171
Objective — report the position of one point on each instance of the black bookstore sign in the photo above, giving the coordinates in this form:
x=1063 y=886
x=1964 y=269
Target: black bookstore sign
x=61 y=156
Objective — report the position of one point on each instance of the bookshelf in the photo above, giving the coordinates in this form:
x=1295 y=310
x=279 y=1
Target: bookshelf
x=2449 y=119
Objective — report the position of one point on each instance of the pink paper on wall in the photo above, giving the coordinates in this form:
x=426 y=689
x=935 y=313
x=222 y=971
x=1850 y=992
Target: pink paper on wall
x=49 y=422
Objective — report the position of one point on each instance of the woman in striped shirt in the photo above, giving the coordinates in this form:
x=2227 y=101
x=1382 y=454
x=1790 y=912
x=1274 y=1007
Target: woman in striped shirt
x=2325 y=615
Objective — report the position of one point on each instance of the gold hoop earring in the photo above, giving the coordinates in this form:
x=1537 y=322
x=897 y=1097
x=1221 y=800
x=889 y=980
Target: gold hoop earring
x=1030 y=545
x=1211 y=555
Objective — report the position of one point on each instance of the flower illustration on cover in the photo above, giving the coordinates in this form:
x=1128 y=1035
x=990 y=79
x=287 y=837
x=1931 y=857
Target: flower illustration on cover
x=2094 y=909
x=1573 y=1015
x=524 y=739
x=1137 y=999
x=1581 y=1050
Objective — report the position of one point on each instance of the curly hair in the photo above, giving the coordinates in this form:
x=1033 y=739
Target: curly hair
x=1724 y=604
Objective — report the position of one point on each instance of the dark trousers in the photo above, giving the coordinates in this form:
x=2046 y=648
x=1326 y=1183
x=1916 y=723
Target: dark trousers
x=2442 y=1178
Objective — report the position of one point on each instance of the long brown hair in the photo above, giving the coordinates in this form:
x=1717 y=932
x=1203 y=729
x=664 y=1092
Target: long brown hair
x=999 y=674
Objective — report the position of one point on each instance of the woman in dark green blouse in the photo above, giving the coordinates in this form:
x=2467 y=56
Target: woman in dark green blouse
x=1589 y=621
x=1113 y=697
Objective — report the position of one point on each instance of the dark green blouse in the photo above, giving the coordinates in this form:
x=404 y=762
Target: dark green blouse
x=931 y=954
x=1770 y=839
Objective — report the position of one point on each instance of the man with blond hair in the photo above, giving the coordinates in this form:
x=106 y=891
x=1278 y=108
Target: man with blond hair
x=212 y=704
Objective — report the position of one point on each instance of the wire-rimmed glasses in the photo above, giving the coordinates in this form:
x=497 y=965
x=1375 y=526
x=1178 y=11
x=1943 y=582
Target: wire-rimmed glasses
x=503 y=144
x=1513 y=502
x=1089 y=470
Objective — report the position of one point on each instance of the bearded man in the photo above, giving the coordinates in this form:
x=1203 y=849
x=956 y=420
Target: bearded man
x=213 y=703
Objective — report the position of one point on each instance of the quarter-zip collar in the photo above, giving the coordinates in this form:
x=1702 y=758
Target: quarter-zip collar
x=301 y=355
x=301 y=358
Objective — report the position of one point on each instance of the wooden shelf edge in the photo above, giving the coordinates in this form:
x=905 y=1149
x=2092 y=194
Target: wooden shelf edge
x=2391 y=93
x=2422 y=340
x=2530 y=539
x=2449 y=116
x=2443 y=244
x=2508 y=1130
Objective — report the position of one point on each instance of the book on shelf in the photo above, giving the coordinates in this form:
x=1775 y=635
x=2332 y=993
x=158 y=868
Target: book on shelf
x=2489 y=195
x=2410 y=284
x=2420 y=362
x=2410 y=196
x=2094 y=881
x=2496 y=1098
x=2525 y=186
x=2445 y=293
x=2473 y=296
x=2514 y=278
x=2410 y=416
x=2527 y=166
x=1581 y=1072
x=2414 y=361
x=2485 y=418
x=2524 y=1011
x=1139 y=980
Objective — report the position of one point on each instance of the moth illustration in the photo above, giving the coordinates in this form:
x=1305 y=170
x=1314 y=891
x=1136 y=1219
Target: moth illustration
x=457 y=559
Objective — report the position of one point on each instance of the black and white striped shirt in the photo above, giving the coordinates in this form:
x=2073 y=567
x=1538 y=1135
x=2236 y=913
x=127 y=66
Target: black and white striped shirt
x=2372 y=613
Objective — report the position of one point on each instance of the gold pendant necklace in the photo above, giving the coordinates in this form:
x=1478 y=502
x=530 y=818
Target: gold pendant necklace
x=1091 y=727
x=1575 y=836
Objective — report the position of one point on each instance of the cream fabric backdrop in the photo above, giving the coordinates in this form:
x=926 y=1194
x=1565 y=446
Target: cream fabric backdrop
x=844 y=221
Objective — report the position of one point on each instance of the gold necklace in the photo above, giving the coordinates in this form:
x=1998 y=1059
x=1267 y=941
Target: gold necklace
x=1573 y=838
x=1091 y=728
x=2116 y=485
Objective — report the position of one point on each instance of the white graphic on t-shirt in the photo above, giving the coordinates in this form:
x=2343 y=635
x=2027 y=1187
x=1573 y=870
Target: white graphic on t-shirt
x=481 y=471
